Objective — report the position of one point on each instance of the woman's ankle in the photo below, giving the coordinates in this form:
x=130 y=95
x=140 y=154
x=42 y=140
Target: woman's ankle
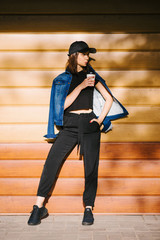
x=40 y=201
x=89 y=207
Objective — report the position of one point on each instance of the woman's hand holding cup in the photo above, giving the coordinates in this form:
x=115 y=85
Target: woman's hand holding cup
x=91 y=78
x=89 y=81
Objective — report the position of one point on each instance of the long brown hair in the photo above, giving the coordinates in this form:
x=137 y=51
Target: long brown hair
x=71 y=64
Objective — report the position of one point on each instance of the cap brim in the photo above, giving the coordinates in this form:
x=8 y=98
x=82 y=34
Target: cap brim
x=91 y=50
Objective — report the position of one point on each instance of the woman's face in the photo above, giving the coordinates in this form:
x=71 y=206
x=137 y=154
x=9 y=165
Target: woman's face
x=82 y=59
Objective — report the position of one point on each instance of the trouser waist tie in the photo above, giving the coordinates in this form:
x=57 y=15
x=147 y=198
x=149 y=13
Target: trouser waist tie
x=80 y=135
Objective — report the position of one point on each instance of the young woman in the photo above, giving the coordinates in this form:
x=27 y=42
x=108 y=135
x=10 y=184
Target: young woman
x=83 y=107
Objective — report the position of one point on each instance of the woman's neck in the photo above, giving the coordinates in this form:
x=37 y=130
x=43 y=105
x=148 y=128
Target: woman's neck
x=79 y=68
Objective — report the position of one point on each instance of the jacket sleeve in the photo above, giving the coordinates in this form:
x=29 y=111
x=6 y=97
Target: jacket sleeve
x=50 y=129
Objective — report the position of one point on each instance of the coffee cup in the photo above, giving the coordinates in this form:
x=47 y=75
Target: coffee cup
x=92 y=76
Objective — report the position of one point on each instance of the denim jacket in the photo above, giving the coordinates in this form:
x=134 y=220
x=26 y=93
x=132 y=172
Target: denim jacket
x=59 y=91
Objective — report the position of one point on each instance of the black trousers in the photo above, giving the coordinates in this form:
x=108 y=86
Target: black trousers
x=77 y=129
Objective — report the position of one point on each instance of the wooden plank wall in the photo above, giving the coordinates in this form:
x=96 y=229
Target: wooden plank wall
x=29 y=62
x=33 y=50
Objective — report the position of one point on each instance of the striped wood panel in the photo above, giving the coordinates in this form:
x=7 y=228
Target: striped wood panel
x=74 y=169
x=75 y=186
x=122 y=132
x=102 y=42
x=73 y=204
x=39 y=114
x=109 y=151
x=57 y=60
x=40 y=79
x=41 y=96
x=106 y=23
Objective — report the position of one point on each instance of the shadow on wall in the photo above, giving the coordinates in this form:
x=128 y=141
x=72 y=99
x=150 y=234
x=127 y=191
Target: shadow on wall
x=123 y=60
x=129 y=63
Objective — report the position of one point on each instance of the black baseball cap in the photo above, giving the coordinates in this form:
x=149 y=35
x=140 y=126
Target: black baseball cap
x=80 y=46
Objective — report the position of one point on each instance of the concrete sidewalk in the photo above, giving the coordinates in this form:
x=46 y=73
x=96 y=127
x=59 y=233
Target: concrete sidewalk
x=68 y=227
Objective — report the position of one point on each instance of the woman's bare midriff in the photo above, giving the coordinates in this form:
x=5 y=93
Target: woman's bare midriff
x=81 y=111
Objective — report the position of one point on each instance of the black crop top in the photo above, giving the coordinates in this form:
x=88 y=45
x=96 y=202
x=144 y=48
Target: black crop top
x=85 y=98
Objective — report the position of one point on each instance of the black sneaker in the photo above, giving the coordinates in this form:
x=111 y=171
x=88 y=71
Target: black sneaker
x=88 y=217
x=37 y=214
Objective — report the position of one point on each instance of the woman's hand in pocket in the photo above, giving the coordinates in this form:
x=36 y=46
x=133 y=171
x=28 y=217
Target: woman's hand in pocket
x=95 y=120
